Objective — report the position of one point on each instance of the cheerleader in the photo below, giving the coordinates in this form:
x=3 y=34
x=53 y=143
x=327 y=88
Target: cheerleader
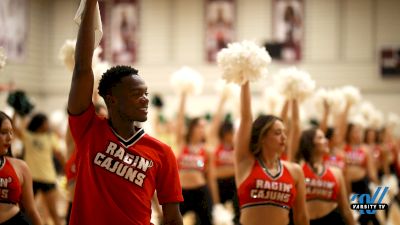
x=267 y=187
x=16 y=197
x=326 y=189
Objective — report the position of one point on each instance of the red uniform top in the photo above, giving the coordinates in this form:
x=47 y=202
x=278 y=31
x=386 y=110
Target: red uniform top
x=355 y=157
x=260 y=188
x=70 y=167
x=320 y=187
x=189 y=160
x=337 y=161
x=116 y=177
x=10 y=187
x=224 y=156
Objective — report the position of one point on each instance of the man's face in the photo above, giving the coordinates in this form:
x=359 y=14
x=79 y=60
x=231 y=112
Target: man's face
x=131 y=100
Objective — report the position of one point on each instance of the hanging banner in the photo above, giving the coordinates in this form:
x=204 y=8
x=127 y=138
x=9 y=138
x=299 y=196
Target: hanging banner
x=220 y=20
x=287 y=30
x=120 y=24
x=14 y=28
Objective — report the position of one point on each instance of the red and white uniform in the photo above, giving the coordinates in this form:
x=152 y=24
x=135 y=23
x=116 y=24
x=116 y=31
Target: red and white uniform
x=224 y=156
x=189 y=160
x=320 y=187
x=117 y=177
x=337 y=161
x=260 y=188
x=10 y=187
x=355 y=157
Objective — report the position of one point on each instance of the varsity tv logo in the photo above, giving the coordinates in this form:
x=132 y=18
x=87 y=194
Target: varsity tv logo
x=367 y=204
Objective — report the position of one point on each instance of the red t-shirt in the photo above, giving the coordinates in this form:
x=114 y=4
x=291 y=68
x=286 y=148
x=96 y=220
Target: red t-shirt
x=70 y=167
x=10 y=187
x=117 y=178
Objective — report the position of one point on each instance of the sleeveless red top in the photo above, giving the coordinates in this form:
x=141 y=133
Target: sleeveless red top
x=355 y=157
x=337 y=161
x=10 y=187
x=188 y=160
x=320 y=187
x=260 y=188
x=224 y=156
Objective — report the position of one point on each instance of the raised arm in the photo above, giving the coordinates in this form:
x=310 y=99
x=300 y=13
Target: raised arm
x=295 y=131
x=180 y=123
x=212 y=135
x=284 y=113
x=243 y=153
x=341 y=125
x=80 y=95
x=323 y=125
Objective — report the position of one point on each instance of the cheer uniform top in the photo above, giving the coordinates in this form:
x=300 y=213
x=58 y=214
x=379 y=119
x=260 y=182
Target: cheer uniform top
x=355 y=157
x=224 y=156
x=189 y=160
x=10 y=187
x=320 y=187
x=117 y=178
x=261 y=188
x=337 y=161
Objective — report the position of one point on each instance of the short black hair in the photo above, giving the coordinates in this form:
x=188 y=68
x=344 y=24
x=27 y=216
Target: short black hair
x=113 y=76
x=36 y=122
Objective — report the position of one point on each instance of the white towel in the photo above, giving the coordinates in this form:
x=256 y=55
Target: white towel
x=98 y=33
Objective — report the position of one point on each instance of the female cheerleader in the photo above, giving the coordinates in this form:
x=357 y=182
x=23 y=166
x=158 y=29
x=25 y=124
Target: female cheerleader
x=196 y=169
x=325 y=187
x=267 y=187
x=15 y=182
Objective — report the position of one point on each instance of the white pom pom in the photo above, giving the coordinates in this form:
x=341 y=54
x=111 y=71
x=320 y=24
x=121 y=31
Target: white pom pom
x=187 y=80
x=221 y=216
x=99 y=68
x=295 y=83
x=376 y=120
x=352 y=94
x=273 y=99
x=3 y=58
x=359 y=120
x=227 y=89
x=322 y=96
x=244 y=61
x=367 y=109
x=338 y=101
x=67 y=54
x=393 y=119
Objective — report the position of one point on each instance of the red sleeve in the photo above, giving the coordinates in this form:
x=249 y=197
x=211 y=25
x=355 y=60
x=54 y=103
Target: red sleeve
x=80 y=124
x=168 y=185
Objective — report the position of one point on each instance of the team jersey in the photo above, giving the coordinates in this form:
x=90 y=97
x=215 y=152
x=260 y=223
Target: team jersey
x=261 y=188
x=117 y=177
x=224 y=156
x=189 y=160
x=337 y=161
x=10 y=187
x=320 y=187
x=355 y=157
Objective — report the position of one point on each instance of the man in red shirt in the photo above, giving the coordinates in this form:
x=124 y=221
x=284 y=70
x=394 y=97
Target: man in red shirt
x=119 y=166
